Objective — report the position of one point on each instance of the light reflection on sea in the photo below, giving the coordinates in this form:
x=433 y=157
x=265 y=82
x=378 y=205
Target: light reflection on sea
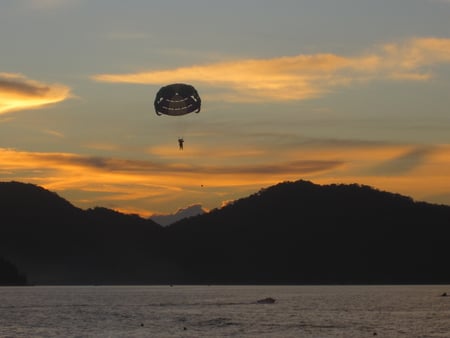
x=224 y=311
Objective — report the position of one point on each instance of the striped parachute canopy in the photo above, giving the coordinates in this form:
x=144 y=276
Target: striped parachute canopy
x=177 y=99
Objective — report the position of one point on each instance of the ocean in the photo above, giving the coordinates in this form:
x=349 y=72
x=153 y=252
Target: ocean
x=225 y=311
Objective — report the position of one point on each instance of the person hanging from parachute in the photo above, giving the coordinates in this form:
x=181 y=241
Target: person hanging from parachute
x=176 y=100
x=180 y=143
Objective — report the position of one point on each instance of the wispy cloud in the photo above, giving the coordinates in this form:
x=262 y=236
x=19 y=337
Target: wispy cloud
x=161 y=184
x=302 y=77
x=12 y=159
x=54 y=133
x=18 y=93
x=403 y=163
x=123 y=180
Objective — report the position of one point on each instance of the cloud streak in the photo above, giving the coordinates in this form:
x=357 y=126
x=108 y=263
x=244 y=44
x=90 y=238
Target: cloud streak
x=118 y=182
x=163 y=184
x=302 y=77
x=20 y=93
x=404 y=163
x=96 y=165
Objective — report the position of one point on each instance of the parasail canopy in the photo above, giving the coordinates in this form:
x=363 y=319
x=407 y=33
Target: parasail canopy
x=177 y=99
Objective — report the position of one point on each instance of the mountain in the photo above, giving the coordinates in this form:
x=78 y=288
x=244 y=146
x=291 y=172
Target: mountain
x=300 y=232
x=53 y=242
x=193 y=210
x=293 y=232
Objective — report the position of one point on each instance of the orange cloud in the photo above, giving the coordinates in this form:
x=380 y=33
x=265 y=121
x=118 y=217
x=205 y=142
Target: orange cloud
x=303 y=76
x=165 y=184
x=417 y=53
x=19 y=93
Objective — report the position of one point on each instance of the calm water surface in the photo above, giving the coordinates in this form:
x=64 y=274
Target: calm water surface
x=225 y=311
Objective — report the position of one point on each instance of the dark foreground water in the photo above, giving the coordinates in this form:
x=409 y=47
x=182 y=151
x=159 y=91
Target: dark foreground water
x=225 y=311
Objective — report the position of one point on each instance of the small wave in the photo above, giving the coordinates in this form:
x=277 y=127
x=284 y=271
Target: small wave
x=217 y=322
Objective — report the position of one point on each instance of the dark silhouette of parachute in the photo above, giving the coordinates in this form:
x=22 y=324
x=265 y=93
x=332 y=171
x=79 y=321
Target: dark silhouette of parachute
x=177 y=99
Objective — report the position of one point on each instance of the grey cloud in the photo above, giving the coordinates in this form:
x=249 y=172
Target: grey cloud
x=299 y=167
x=24 y=88
x=123 y=165
x=404 y=163
x=18 y=93
x=110 y=164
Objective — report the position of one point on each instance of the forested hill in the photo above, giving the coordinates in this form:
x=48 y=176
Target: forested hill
x=53 y=242
x=293 y=232
x=300 y=232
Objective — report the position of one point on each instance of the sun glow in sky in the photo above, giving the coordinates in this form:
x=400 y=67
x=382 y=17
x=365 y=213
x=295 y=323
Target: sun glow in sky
x=332 y=91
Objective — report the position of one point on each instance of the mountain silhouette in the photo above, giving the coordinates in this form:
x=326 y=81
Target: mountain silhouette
x=180 y=214
x=300 y=232
x=289 y=233
x=53 y=242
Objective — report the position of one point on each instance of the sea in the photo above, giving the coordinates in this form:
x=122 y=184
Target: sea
x=225 y=311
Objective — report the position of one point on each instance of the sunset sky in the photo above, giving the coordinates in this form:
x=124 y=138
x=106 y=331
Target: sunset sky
x=331 y=91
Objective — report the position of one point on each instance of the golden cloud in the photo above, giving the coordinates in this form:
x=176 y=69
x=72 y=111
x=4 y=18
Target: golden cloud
x=121 y=182
x=303 y=76
x=165 y=184
x=19 y=93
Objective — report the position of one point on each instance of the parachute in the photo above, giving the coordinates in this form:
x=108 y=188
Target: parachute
x=177 y=99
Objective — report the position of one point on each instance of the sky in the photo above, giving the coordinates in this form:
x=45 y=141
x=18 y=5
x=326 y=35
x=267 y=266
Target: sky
x=331 y=91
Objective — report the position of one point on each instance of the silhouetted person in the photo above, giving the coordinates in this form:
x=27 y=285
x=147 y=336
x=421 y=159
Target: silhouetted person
x=180 y=143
